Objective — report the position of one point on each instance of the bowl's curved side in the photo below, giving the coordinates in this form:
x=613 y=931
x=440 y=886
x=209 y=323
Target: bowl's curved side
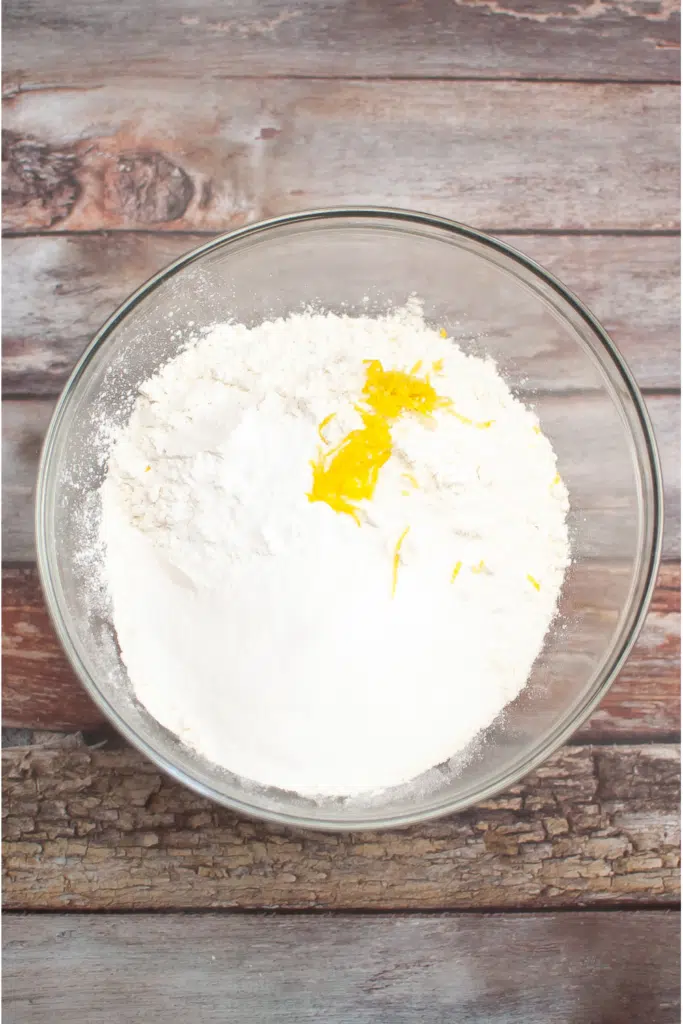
x=625 y=391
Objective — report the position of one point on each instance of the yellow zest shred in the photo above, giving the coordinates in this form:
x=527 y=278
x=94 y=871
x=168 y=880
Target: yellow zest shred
x=147 y=469
x=347 y=473
x=397 y=560
x=482 y=425
x=410 y=478
x=537 y=430
x=443 y=332
x=556 y=480
x=534 y=583
x=456 y=570
x=437 y=366
x=323 y=424
x=416 y=368
x=479 y=568
x=393 y=393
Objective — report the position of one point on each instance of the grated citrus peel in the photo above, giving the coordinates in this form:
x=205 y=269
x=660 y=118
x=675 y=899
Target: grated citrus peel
x=348 y=473
x=397 y=560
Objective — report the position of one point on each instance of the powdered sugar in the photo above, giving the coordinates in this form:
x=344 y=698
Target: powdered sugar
x=261 y=627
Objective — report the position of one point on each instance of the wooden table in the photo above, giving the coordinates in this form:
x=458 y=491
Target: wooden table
x=134 y=131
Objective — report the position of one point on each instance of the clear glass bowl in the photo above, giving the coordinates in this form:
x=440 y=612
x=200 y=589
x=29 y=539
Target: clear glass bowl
x=492 y=300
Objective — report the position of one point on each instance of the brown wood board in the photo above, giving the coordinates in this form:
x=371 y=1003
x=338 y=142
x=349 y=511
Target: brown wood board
x=173 y=154
x=600 y=489
x=470 y=38
x=514 y=968
x=40 y=690
x=59 y=290
x=103 y=830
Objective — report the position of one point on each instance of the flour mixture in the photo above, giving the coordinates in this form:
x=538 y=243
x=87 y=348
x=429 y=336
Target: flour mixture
x=334 y=546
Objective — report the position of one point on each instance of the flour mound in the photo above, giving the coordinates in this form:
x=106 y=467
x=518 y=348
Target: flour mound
x=260 y=627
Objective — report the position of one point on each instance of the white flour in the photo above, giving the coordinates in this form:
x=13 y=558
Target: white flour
x=260 y=626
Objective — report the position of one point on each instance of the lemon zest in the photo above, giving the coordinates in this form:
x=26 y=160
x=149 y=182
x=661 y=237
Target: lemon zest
x=323 y=424
x=557 y=479
x=416 y=368
x=537 y=430
x=393 y=393
x=410 y=478
x=397 y=560
x=479 y=568
x=147 y=469
x=443 y=333
x=437 y=366
x=348 y=473
x=456 y=570
x=534 y=583
x=481 y=425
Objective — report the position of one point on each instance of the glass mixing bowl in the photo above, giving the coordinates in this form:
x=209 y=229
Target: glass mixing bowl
x=491 y=299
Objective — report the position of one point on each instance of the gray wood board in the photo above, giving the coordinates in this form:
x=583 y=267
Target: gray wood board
x=600 y=488
x=587 y=967
x=475 y=38
x=59 y=290
x=41 y=691
x=104 y=829
x=175 y=154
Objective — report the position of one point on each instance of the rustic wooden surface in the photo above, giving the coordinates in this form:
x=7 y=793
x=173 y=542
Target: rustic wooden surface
x=58 y=291
x=106 y=830
x=518 y=969
x=42 y=692
x=576 y=419
x=184 y=155
x=431 y=38
x=129 y=139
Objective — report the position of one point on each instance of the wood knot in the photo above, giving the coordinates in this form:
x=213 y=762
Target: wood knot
x=39 y=186
x=146 y=187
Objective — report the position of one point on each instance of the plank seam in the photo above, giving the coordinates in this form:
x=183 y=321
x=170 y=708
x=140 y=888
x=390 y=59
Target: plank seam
x=512 y=232
x=13 y=90
x=673 y=392
x=611 y=908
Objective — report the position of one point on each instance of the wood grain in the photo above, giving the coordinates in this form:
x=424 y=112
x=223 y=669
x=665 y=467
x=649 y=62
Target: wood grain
x=470 y=38
x=600 y=488
x=645 y=699
x=174 y=154
x=104 y=830
x=59 y=290
x=39 y=686
x=40 y=691
x=23 y=429
x=512 y=969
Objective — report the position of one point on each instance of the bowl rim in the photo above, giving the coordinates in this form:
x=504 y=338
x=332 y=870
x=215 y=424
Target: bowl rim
x=636 y=610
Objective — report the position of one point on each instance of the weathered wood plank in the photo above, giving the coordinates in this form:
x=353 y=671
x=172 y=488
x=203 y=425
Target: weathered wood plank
x=104 y=830
x=40 y=691
x=59 y=290
x=599 y=493
x=645 y=699
x=23 y=429
x=189 y=155
x=471 y=38
x=511 y=968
